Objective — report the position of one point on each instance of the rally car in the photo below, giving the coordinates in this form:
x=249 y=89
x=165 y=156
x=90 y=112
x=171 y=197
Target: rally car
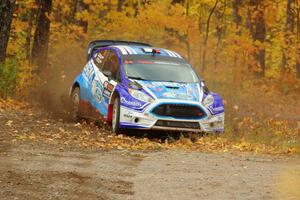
x=133 y=85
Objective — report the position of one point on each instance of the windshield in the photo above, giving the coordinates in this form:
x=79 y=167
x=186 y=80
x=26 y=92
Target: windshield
x=163 y=71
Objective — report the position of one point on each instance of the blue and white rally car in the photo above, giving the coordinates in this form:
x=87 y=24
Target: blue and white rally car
x=136 y=86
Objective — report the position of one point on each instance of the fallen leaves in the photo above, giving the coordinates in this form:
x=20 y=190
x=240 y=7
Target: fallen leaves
x=28 y=125
x=11 y=104
x=9 y=123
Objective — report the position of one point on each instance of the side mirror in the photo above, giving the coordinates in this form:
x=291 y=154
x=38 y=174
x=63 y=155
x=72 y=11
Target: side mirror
x=107 y=74
x=205 y=88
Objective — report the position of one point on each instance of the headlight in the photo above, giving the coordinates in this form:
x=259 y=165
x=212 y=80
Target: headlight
x=208 y=101
x=139 y=95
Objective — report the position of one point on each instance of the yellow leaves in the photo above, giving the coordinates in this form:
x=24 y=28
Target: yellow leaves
x=242 y=146
x=26 y=79
x=9 y=123
x=11 y=104
x=88 y=2
x=32 y=136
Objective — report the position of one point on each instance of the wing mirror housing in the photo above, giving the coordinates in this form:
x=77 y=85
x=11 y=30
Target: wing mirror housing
x=205 y=88
x=107 y=73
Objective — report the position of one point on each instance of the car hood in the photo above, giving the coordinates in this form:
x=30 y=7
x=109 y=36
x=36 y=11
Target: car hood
x=171 y=90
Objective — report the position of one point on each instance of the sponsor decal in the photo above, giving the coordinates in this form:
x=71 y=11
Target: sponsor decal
x=169 y=94
x=131 y=103
x=150 y=86
x=88 y=72
x=98 y=59
x=183 y=96
x=96 y=90
x=218 y=109
x=171 y=90
x=105 y=84
x=108 y=86
x=106 y=93
x=128 y=116
x=97 y=95
x=99 y=56
x=159 y=89
x=175 y=95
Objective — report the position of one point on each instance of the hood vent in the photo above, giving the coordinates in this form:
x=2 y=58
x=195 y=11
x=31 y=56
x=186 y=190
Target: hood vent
x=172 y=87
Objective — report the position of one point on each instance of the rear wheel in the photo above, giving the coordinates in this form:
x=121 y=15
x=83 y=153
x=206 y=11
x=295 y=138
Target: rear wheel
x=116 y=116
x=75 y=97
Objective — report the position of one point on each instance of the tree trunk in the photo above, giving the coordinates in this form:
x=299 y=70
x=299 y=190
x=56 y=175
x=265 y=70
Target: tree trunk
x=289 y=29
x=73 y=6
x=177 y=1
x=187 y=42
x=120 y=5
x=31 y=18
x=206 y=37
x=258 y=31
x=41 y=35
x=6 y=15
x=80 y=7
x=298 y=39
x=237 y=19
x=220 y=30
x=290 y=17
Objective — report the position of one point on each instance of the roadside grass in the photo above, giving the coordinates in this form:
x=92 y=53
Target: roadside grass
x=280 y=136
x=264 y=136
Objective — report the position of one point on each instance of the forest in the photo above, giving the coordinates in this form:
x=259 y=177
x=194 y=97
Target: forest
x=229 y=42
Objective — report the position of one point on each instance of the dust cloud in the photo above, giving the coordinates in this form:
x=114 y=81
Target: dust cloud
x=65 y=62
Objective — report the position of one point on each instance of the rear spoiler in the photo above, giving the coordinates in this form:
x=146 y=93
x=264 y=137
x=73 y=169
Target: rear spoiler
x=96 y=44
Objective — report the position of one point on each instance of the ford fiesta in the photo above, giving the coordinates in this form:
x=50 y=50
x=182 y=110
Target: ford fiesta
x=136 y=86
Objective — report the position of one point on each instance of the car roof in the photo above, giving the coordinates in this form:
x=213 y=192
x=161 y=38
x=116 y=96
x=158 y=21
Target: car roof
x=140 y=50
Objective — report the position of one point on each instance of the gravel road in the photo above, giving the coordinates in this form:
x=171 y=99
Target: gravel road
x=45 y=172
x=46 y=158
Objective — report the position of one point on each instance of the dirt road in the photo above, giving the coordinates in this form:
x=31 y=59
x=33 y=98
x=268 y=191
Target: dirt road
x=54 y=170
x=43 y=172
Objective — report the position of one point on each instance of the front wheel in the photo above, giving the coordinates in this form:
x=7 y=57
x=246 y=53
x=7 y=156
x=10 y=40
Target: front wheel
x=116 y=116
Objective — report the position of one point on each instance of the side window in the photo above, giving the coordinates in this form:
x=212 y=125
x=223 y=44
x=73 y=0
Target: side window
x=99 y=58
x=112 y=64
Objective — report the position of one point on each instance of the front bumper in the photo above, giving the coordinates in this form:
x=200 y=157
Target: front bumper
x=145 y=119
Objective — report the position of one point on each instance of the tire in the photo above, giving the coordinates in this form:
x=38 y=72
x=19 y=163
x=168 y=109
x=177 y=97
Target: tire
x=115 y=122
x=75 y=98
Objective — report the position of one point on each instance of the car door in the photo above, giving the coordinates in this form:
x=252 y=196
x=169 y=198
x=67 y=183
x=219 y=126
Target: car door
x=111 y=76
x=96 y=83
x=105 y=79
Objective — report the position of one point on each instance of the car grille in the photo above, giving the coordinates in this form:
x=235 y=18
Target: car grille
x=177 y=124
x=179 y=111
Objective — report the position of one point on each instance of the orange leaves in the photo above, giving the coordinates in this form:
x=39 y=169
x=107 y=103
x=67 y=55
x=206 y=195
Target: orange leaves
x=11 y=104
